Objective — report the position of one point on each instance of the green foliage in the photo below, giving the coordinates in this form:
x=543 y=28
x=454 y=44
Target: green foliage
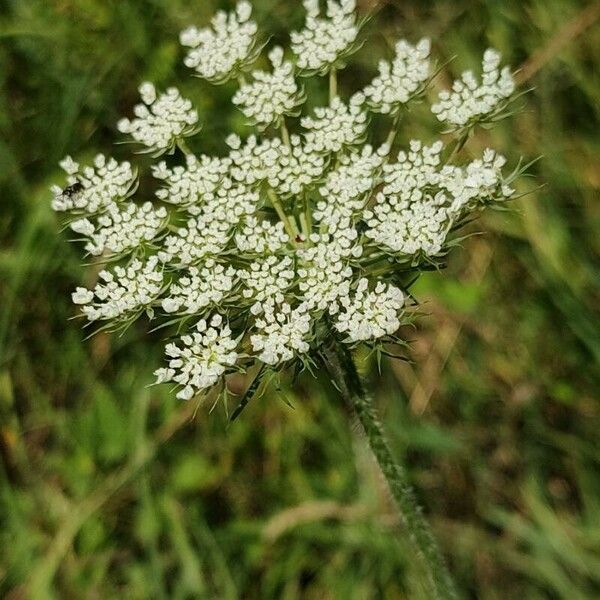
x=107 y=490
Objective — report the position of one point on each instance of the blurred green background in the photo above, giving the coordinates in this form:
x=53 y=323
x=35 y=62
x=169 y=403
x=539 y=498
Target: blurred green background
x=110 y=489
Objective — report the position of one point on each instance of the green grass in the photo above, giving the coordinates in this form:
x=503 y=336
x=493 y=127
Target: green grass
x=108 y=491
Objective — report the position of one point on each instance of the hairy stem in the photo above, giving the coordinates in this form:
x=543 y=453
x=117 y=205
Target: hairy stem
x=343 y=370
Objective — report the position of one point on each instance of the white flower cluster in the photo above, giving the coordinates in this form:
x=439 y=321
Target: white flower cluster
x=471 y=101
x=200 y=288
x=220 y=52
x=204 y=356
x=270 y=96
x=119 y=231
x=408 y=216
x=420 y=202
x=126 y=291
x=324 y=275
x=288 y=241
x=270 y=278
x=288 y=169
x=336 y=125
x=410 y=228
x=347 y=187
x=202 y=237
x=188 y=185
x=325 y=41
x=480 y=181
x=93 y=189
x=261 y=237
x=282 y=333
x=401 y=80
x=370 y=315
x=160 y=120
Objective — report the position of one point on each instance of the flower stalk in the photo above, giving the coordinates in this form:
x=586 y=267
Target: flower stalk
x=342 y=369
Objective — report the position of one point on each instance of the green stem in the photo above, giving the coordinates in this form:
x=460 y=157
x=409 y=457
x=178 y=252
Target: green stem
x=181 y=144
x=459 y=144
x=289 y=228
x=332 y=84
x=285 y=135
x=343 y=370
x=391 y=138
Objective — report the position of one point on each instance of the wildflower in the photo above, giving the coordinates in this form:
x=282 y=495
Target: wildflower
x=261 y=237
x=346 y=188
x=471 y=101
x=370 y=315
x=281 y=332
x=202 y=237
x=402 y=79
x=94 y=188
x=119 y=231
x=272 y=95
x=325 y=42
x=123 y=293
x=205 y=354
x=290 y=169
x=270 y=278
x=289 y=246
x=336 y=125
x=286 y=242
x=199 y=179
x=200 y=288
x=160 y=121
x=226 y=49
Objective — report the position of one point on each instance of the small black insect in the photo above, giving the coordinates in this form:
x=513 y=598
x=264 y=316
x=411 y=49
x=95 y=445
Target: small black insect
x=73 y=189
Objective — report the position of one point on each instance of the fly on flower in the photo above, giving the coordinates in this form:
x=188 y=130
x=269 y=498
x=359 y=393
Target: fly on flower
x=72 y=190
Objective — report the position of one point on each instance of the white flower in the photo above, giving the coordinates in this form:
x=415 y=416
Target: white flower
x=202 y=358
x=282 y=332
x=261 y=237
x=248 y=159
x=220 y=52
x=122 y=292
x=230 y=204
x=347 y=187
x=324 y=275
x=200 y=288
x=69 y=166
x=160 y=121
x=202 y=237
x=82 y=296
x=271 y=96
x=297 y=231
x=399 y=81
x=120 y=230
x=414 y=171
x=194 y=182
x=267 y=279
x=94 y=188
x=336 y=125
x=479 y=182
x=325 y=41
x=289 y=170
x=406 y=217
x=471 y=101
x=409 y=228
x=370 y=315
